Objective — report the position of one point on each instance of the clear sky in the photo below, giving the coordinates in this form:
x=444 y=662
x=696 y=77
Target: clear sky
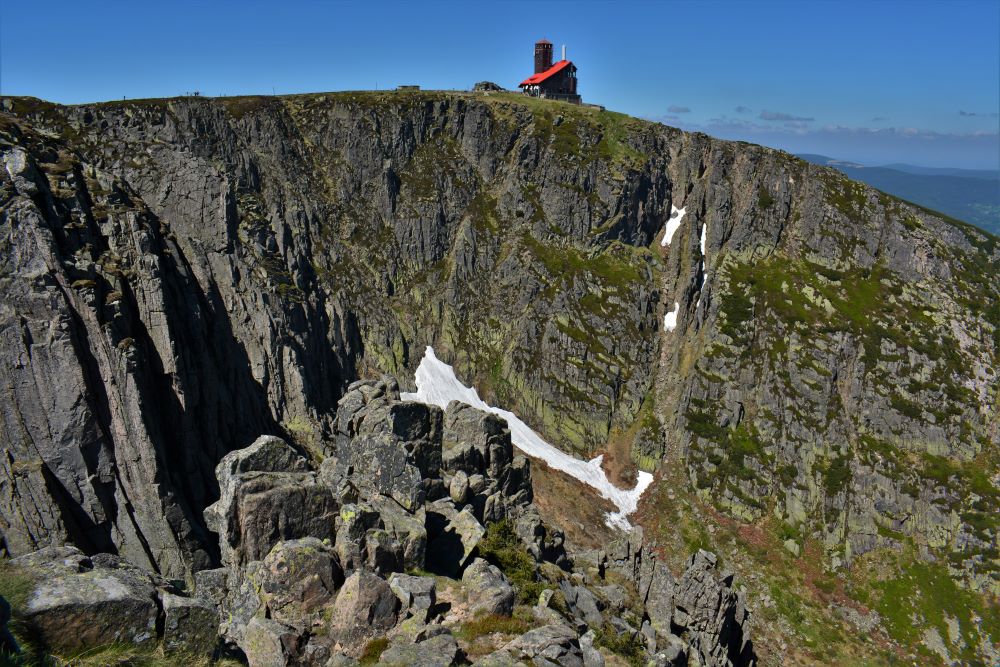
x=876 y=82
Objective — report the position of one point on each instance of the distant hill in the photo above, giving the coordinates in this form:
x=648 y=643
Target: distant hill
x=944 y=171
x=972 y=195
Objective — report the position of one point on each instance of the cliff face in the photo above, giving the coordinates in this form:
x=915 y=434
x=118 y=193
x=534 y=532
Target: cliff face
x=181 y=276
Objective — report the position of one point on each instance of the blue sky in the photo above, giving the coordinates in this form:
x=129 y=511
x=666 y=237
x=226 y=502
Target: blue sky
x=877 y=81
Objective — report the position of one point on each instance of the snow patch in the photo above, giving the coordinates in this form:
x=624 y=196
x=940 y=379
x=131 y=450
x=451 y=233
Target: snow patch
x=670 y=319
x=704 y=228
x=673 y=224
x=437 y=385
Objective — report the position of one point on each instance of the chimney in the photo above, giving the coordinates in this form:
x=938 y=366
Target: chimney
x=564 y=52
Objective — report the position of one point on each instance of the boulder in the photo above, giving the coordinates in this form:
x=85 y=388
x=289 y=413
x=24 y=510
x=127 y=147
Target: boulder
x=671 y=651
x=76 y=604
x=543 y=542
x=267 y=453
x=418 y=427
x=211 y=585
x=554 y=644
x=488 y=589
x=582 y=603
x=352 y=525
x=458 y=488
x=270 y=507
x=486 y=87
x=373 y=407
x=242 y=601
x=379 y=464
x=614 y=596
x=365 y=400
x=365 y=608
x=451 y=537
x=474 y=441
x=298 y=578
x=591 y=656
x=190 y=625
x=407 y=536
x=267 y=494
x=268 y=643
x=712 y=614
x=316 y=652
x=438 y=651
x=416 y=594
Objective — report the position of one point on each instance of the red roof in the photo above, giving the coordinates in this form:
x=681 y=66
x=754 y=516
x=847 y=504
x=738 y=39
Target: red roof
x=542 y=76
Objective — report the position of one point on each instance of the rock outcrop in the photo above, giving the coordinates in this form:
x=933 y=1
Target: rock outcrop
x=328 y=581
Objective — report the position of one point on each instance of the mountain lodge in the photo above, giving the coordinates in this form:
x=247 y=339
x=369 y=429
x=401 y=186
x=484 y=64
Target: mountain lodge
x=554 y=82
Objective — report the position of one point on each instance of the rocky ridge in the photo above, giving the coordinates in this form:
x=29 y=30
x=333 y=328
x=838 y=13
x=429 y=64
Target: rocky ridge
x=390 y=550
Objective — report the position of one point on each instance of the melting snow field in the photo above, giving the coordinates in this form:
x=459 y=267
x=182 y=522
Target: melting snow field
x=673 y=224
x=670 y=319
x=437 y=385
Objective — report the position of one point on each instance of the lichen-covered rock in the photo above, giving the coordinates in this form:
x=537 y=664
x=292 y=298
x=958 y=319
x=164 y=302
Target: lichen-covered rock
x=458 y=488
x=582 y=603
x=542 y=540
x=365 y=608
x=438 y=651
x=268 y=643
x=380 y=465
x=591 y=656
x=211 y=585
x=297 y=579
x=476 y=442
x=160 y=311
x=75 y=604
x=487 y=588
x=452 y=535
x=553 y=644
x=712 y=614
x=416 y=594
x=373 y=407
x=190 y=625
x=267 y=493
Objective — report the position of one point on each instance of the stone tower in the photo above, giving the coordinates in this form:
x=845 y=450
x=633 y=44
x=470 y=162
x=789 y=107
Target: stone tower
x=543 y=55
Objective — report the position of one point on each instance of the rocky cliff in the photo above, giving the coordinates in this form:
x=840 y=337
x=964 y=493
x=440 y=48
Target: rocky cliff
x=182 y=276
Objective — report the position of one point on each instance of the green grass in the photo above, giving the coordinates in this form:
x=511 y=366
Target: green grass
x=373 y=651
x=631 y=647
x=125 y=655
x=738 y=444
x=503 y=548
x=836 y=475
x=764 y=199
x=489 y=624
x=871 y=304
x=615 y=266
x=16 y=584
x=920 y=595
